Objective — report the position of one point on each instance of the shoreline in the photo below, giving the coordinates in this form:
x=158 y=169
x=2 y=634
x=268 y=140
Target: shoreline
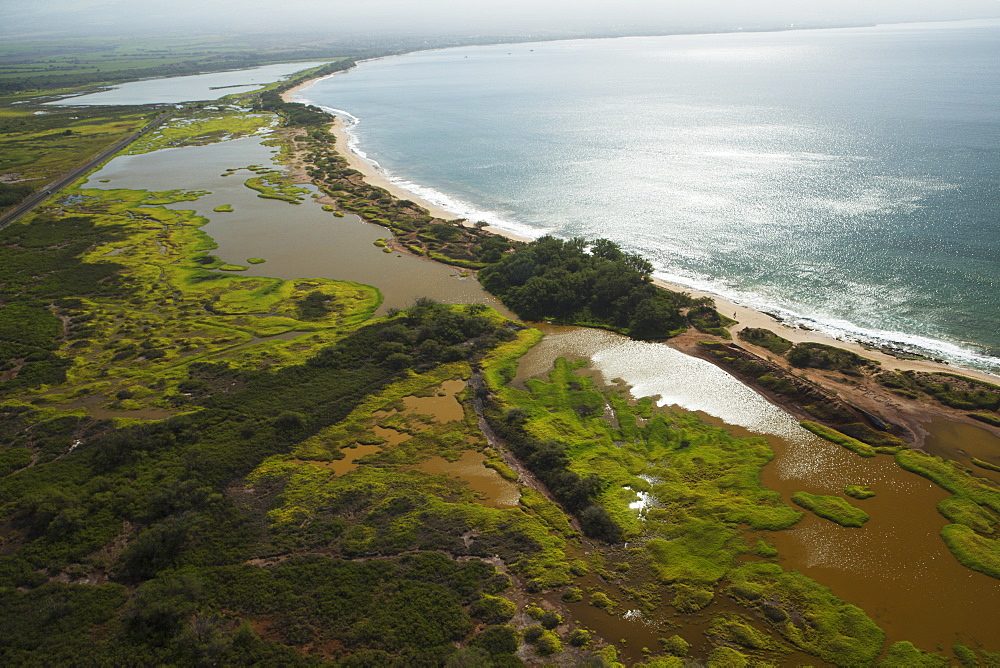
x=745 y=315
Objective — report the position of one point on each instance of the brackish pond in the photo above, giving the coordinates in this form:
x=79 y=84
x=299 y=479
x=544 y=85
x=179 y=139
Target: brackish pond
x=296 y=240
x=896 y=567
x=172 y=90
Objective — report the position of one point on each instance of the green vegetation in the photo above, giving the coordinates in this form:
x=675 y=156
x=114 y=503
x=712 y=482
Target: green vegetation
x=972 y=549
x=952 y=477
x=974 y=510
x=765 y=338
x=276 y=186
x=196 y=126
x=989 y=466
x=256 y=260
x=707 y=320
x=807 y=615
x=822 y=356
x=559 y=280
x=904 y=655
x=223 y=208
x=882 y=441
x=988 y=419
x=833 y=508
x=705 y=487
x=834 y=436
x=960 y=510
x=954 y=391
x=35 y=149
x=675 y=645
x=984 y=464
x=234 y=498
x=859 y=492
x=11 y=194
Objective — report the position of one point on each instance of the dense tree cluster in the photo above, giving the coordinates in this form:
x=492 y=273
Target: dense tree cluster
x=13 y=193
x=548 y=460
x=560 y=280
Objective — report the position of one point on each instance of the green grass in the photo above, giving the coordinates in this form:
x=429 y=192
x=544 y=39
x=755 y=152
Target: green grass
x=984 y=464
x=807 y=615
x=276 y=186
x=985 y=417
x=859 y=492
x=952 y=477
x=833 y=508
x=223 y=208
x=960 y=510
x=973 y=551
x=952 y=390
x=256 y=260
x=197 y=127
x=822 y=356
x=834 y=436
x=765 y=338
x=41 y=148
x=903 y=654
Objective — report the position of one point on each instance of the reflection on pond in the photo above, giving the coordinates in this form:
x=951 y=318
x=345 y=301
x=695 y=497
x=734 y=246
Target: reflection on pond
x=171 y=90
x=896 y=567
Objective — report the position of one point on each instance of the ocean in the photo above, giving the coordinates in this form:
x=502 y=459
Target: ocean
x=847 y=180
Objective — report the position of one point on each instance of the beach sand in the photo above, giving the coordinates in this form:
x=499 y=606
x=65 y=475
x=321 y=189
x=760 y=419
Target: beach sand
x=746 y=317
x=371 y=174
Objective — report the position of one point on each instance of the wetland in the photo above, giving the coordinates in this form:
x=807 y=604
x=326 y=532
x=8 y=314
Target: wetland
x=211 y=458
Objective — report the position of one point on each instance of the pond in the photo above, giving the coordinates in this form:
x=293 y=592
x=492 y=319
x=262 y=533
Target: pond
x=173 y=90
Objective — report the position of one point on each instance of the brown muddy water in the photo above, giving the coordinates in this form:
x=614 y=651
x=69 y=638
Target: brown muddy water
x=962 y=441
x=896 y=567
x=441 y=406
x=470 y=468
x=296 y=240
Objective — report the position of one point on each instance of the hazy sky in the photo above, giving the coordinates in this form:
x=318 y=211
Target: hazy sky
x=79 y=17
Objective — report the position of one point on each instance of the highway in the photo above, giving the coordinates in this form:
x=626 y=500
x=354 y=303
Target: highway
x=37 y=198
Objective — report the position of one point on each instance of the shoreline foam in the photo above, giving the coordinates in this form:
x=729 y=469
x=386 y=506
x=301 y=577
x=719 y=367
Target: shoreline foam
x=746 y=315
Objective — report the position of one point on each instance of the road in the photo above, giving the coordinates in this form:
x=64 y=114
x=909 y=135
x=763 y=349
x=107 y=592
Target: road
x=37 y=198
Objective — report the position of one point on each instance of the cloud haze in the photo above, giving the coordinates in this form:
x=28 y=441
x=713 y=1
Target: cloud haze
x=439 y=17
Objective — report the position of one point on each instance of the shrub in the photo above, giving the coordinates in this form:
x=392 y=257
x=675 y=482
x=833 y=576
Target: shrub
x=493 y=609
x=765 y=338
x=572 y=595
x=675 y=645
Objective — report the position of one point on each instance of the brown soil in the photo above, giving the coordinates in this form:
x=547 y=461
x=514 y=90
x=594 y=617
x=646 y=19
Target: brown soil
x=909 y=415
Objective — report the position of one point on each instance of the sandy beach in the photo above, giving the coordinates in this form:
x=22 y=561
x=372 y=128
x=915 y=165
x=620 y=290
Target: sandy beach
x=746 y=316
x=371 y=174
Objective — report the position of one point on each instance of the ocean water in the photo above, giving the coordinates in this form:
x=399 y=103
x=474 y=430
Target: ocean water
x=846 y=179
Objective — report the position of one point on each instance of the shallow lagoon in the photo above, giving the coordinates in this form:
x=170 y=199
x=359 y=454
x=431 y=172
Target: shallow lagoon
x=172 y=90
x=296 y=240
